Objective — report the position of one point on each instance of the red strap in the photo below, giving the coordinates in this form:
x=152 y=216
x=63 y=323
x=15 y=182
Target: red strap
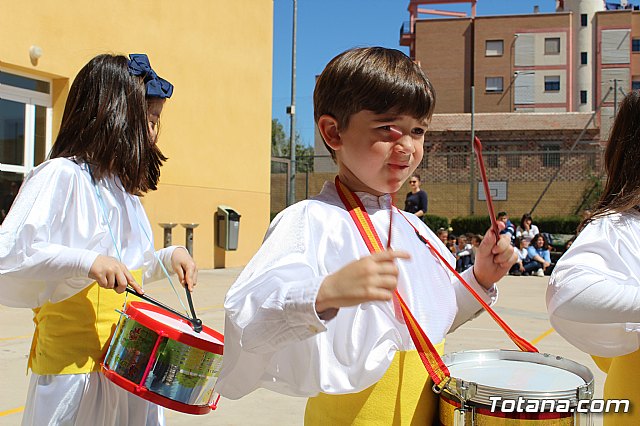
x=427 y=352
x=524 y=345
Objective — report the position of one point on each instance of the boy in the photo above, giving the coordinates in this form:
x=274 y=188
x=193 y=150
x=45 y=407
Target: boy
x=314 y=313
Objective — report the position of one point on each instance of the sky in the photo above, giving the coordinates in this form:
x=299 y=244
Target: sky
x=326 y=28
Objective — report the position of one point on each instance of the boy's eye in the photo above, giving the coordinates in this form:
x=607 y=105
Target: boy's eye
x=418 y=131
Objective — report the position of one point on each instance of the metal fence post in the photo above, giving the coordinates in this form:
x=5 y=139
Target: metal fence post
x=167 y=232
x=189 y=227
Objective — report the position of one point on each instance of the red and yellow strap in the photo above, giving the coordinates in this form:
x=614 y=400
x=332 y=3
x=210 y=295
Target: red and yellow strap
x=428 y=353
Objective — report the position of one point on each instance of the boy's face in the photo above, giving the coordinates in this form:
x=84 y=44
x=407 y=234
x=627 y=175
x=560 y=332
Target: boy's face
x=371 y=155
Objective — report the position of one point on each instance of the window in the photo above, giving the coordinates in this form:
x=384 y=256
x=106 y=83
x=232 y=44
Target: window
x=583 y=19
x=457 y=155
x=583 y=97
x=552 y=46
x=551 y=156
x=493 y=84
x=513 y=160
x=583 y=58
x=494 y=48
x=551 y=83
x=635 y=85
x=635 y=45
x=25 y=129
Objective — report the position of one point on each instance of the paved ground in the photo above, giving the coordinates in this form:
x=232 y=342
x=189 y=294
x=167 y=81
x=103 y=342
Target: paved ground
x=521 y=305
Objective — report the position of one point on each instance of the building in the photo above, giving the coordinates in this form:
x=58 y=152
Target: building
x=217 y=53
x=565 y=71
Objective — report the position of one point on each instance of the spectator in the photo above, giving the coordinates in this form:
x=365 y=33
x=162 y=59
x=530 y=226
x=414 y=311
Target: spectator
x=443 y=235
x=475 y=243
x=540 y=256
x=526 y=230
x=509 y=228
x=417 y=200
x=524 y=265
x=463 y=254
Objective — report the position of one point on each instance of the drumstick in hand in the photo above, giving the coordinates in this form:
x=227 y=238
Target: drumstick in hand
x=485 y=183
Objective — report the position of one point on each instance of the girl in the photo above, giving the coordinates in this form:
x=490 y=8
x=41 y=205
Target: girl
x=527 y=230
x=593 y=293
x=540 y=256
x=77 y=231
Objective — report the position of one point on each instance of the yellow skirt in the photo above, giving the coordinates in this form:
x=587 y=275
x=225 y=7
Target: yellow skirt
x=402 y=397
x=623 y=373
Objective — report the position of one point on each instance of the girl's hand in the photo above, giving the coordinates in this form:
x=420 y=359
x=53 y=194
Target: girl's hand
x=109 y=272
x=183 y=265
x=371 y=278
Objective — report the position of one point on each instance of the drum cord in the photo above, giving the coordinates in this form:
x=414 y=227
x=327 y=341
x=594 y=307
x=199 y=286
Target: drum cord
x=197 y=324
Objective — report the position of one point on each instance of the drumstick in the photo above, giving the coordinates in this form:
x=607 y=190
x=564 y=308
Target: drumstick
x=195 y=323
x=485 y=183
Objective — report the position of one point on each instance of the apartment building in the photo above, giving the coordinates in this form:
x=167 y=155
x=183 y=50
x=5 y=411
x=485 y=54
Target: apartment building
x=543 y=85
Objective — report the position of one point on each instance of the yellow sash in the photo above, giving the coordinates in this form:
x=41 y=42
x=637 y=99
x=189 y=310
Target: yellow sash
x=622 y=383
x=402 y=397
x=72 y=336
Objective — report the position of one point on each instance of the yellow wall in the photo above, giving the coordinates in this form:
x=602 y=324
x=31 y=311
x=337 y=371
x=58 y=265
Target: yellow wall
x=216 y=127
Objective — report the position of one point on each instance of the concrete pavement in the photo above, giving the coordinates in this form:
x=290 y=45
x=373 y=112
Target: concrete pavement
x=521 y=304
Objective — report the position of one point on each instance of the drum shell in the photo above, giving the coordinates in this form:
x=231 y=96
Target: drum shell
x=155 y=361
x=478 y=405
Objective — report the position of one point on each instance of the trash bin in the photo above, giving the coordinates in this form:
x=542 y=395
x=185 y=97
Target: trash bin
x=228 y=227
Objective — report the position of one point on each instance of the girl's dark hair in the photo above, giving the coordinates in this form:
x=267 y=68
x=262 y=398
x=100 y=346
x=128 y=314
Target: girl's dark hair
x=105 y=124
x=375 y=79
x=622 y=156
x=525 y=217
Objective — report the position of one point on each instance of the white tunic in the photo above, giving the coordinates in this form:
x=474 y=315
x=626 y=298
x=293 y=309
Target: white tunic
x=273 y=336
x=593 y=296
x=48 y=242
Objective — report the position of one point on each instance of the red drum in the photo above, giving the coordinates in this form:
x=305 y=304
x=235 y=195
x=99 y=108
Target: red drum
x=157 y=356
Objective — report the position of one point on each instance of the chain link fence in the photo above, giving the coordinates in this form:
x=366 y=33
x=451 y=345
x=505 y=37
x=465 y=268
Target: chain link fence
x=544 y=182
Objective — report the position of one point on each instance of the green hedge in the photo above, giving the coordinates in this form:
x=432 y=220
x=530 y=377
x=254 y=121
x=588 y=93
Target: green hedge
x=435 y=222
x=550 y=224
x=557 y=224
x=473 y=224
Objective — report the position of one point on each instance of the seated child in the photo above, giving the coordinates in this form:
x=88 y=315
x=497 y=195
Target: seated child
x=463 y=254
x=314 y=313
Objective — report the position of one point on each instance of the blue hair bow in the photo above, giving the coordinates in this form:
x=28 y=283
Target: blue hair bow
x=156 y=87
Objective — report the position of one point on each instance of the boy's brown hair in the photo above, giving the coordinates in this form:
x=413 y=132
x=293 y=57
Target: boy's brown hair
x=375 y=79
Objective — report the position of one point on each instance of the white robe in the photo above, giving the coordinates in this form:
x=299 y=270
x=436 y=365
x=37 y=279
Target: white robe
x=52 y=235
x=593 y=296
x=273 y=336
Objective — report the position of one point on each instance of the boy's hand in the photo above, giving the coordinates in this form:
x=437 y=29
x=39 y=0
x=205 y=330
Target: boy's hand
x=184 y=265
x=371 y=278
x=493 y=260
x=108 y=272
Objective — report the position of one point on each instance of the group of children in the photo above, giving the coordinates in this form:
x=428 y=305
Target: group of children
x=315 y=313
x=463 y=247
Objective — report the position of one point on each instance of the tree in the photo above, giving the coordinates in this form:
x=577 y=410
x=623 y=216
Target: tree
x=280 y=147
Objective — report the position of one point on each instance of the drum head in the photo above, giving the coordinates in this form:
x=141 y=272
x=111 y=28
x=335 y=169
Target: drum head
x=514 y=373
x=174 y=327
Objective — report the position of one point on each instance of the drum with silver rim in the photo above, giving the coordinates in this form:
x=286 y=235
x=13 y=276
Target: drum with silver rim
x=503 y=387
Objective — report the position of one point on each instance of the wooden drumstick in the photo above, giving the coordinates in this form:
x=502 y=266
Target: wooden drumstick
x=485 y=183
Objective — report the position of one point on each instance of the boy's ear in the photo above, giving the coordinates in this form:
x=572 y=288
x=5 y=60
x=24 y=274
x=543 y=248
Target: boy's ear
x=328 y=127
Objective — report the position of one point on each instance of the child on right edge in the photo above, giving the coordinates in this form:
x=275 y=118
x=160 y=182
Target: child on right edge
x=314 y=313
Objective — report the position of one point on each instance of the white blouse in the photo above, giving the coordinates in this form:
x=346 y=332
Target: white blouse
x=593 y=296
x=56 y=229
x=273 y=336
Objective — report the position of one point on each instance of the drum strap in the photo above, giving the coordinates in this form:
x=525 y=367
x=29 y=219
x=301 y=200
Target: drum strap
x=429 y=356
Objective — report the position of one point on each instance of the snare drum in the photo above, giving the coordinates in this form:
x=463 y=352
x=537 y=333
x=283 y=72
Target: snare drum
x=499 y=387
x=157 y=356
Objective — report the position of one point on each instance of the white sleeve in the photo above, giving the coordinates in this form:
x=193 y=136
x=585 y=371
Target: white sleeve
x=271 y=306
x=468 y=306
x=593 y=296
x=35 y=266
